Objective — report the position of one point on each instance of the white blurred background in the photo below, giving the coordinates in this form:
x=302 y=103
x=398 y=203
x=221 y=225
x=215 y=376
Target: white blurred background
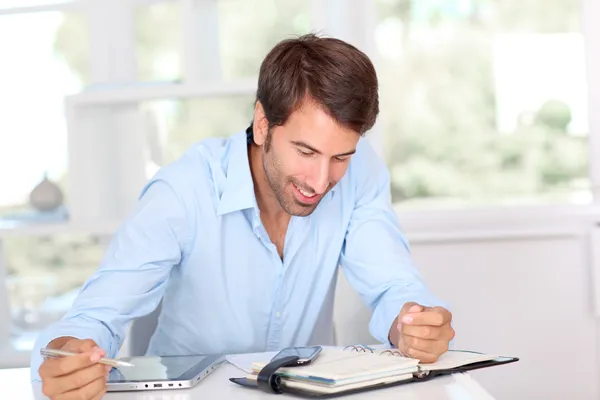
x=487 y=126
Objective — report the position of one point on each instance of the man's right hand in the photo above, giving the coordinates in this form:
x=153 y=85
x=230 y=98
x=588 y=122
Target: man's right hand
x=75 y=377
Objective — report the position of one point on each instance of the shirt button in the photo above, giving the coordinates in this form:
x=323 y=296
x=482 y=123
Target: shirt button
x=277 y=314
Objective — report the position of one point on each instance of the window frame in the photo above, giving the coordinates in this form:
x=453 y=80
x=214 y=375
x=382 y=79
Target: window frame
x=357 y=25
x=590 y=10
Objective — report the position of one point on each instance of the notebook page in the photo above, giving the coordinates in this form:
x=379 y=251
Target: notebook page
x=336 y=389
x=324 y=389
x=337 y=364
x=456 y=358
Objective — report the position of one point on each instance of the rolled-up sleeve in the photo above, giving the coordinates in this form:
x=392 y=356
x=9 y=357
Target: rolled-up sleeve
x=376 y=257
x=131 y=278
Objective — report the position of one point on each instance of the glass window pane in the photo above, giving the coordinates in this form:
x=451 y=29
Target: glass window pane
x=249 y=29
x=177 y=125
x=44 y=273
x=27 y=3
x=158 y=41
x=246 y=32
x=44 y=58
x=483 y=102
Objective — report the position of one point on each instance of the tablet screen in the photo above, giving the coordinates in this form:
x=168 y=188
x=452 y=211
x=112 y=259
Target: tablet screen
x=156 y=368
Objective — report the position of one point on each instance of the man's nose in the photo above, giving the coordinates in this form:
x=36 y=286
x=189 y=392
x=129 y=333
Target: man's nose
x=320 y=179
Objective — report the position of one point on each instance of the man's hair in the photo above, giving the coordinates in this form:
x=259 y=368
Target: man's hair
x=334 y=74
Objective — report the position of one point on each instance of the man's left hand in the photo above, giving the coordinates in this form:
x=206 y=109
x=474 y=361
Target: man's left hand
x=422 y=332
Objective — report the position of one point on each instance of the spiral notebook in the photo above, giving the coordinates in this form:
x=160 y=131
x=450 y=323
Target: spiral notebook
x=359 y=368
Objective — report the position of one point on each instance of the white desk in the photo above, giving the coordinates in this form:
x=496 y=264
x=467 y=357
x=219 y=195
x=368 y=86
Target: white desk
x=12 y=358
x=15 y=384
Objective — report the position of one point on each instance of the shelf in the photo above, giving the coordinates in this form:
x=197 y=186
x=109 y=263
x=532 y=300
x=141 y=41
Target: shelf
x=498 y=218
x=140 y=92
x=55 y=228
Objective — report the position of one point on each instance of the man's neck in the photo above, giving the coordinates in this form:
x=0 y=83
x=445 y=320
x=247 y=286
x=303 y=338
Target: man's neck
x=274 y=218
x=267 y=202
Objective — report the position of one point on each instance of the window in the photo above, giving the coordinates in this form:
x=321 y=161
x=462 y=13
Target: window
x=44 y=274
x=244 y=35
x=180 y=124
x=483 y=102
x=44 y=58
x=158 y=41
x=249 y=29
x=25 y=3
x=42 y=61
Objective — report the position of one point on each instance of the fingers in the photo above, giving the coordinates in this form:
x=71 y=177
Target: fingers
x=92 y=390
x=434 y=347
x=100 y=395
x=416 y=309
x=56 y=367
x=66 y=374
x=436 y=316
x=80 y=346
x=76 y=380
x=75 y=377
x=445 y=332
x=424 y=332
x=422 y=356
x=411 y=307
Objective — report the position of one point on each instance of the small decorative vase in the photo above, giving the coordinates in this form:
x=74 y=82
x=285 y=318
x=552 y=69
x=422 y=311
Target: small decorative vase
x=46 y=196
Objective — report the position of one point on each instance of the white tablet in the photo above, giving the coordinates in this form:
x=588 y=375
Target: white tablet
x=166 y=372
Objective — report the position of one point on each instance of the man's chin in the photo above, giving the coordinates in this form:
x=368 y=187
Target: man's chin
x=302 y=210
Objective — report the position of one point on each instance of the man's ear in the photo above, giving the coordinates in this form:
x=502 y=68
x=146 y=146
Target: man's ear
x=261 y=125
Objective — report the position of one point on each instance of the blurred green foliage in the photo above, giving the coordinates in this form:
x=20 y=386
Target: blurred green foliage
x=439 y=106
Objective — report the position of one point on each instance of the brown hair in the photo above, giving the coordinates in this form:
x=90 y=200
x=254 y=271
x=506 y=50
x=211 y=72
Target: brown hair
x=334 y=74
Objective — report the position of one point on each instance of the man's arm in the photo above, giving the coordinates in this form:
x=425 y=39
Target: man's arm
x=376 y=258
x=132 y=277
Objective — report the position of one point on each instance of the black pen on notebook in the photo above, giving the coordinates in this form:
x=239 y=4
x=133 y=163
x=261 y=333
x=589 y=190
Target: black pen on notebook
x=52 y=353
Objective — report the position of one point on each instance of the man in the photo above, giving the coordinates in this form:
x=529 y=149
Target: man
x=241 y=238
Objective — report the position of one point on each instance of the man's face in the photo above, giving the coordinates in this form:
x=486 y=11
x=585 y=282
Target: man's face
x=306 y=157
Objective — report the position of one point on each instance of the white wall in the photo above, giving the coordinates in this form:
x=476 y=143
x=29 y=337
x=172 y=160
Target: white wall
x=529 y=297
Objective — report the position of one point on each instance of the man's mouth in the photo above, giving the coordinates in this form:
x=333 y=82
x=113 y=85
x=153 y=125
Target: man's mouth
x=305 y=197
x=304 y=192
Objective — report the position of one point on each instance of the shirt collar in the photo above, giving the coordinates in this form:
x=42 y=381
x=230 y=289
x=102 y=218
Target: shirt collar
x=239 y=186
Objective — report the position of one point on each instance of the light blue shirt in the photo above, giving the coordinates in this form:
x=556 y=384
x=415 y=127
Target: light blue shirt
x=196 y=241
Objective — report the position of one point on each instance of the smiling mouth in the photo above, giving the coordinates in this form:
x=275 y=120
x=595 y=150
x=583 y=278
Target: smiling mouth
x=304 y=192
x=305 y=198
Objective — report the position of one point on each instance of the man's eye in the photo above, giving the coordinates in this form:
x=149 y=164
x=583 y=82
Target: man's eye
x=341 y=159
x=305 y=153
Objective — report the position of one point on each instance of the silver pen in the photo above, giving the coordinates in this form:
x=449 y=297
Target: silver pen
x=52 y=353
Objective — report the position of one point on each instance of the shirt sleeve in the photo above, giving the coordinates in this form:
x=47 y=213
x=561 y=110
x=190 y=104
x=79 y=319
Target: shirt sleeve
x=132 y=277
x=376 y=257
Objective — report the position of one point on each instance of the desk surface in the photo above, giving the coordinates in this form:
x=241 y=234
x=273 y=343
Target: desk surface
x=15 y=384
